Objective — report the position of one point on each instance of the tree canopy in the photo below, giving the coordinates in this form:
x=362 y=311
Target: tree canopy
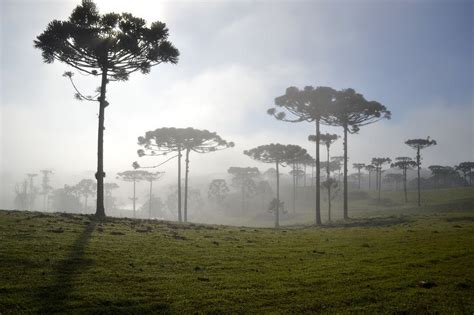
x=116 y=43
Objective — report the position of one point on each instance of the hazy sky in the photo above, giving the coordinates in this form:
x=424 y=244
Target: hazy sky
x=415 y=57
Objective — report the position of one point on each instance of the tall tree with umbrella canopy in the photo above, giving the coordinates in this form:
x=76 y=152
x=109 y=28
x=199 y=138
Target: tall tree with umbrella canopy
x=109 y=46
x=133 y=176
x=350 y=110
x=311 y=105
x=359 y=167
x=326 y=139
x=164 y=140
x=418 y=145
x=280 y=155
x=404 y=163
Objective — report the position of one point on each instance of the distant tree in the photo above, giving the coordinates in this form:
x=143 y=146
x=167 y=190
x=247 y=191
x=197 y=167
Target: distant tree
x=446 y=176
x=111 y=46
x=46 y=188
x=32 y=191
x=86 y=188
x=370 y=168
x=331 y=185
x=393 y=178
x=311 y=105
x=338 y=160
x=280 y=155
x=418 y=145
x=264 y=189
x=151 y=177
x=350 y=110
x=466 y=169
x=154 y=207
x=358 y=166
x=21 y=196
x=244 y=179
x=66 y=199
x=109 y=198
x=164 y=140
x=218 y=191
x=379 y=163
x=404 y=163
x=133 y=176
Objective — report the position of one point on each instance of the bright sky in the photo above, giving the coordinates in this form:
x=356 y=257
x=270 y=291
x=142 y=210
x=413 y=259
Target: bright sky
x=416 y=57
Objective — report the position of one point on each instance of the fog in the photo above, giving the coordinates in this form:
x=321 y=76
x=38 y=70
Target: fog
x=236 y=57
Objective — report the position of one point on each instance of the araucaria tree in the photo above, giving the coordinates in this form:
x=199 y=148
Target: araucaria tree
x=109 y=46
x=418 y=145
x=326 y=139
x=311 y=105
x=466 y=169
x=244 y=179
x=133 y=176
x=218 y=191
x=164 y=140
x=370 y=168
x=359 y=167
x=350 y=110
x=279 y=155
x=151 y=177
x=379 y=163
x=86 y=188
x=404 y=163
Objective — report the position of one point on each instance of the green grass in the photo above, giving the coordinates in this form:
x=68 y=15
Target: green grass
x=72 y=264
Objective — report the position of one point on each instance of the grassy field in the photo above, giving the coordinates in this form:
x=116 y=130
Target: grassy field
x=398 y=259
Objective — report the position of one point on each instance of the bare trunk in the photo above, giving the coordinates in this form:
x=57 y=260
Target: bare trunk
x=418 y=162
x=405 y=184
x=328 y=178
x=134 y=196
x=180 y=219
x=346 y=210
x=277 y=211
x=318 y=176
x=100 y=210
x=149 y=201
x=186 y=186
x=294 y=188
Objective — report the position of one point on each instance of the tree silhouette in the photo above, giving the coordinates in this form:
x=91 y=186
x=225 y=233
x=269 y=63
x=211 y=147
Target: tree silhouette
x=111 y=46
x=218 y=191
x=350 y=110
x=338 y=161
x=165 y=140
x=418 y=145
x=46 y=188
x=151 y=177
x=404 y=163
x=109 y=199
x=326 y=139
x=243 y=178
x=263 y=189
x=311 y=105
x=394 y=178
x=358 y=166
x=379 y=163
x=466 y=169
x=296 y=155
x=133 y=176
x=86 y=188
x=370 y=168
x=280 y=155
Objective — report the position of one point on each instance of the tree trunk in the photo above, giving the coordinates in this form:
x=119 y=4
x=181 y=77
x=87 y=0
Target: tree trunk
x=149 y=202
x=186 y=186
x=328 y=178
x=100 y=211
x=134 y=196
x=180 y=219
x=370 y=173
x=318 y=176
x=346 y=210
x=405 y=184
x=418 y=162
x=277 y=211
x=380 y=181
x=294 y=188
x=359 y=178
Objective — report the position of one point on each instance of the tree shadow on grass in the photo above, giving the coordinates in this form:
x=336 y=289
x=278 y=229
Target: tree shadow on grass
x=53 y=298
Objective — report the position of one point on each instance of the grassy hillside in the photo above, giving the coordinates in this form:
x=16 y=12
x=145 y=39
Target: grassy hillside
x=400 y=259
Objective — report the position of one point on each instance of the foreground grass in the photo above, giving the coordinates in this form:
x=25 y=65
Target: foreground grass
x=70 y=263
